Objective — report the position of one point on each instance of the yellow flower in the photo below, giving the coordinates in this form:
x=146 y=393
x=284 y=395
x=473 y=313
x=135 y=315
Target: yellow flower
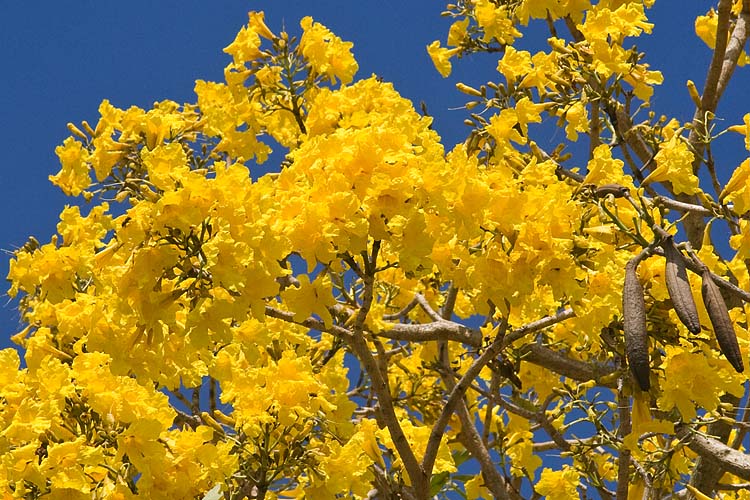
x=737 y=189
x=743 y=129
x=457 y=32
x=258 y=24
x=558 y=485
x=246 y=45
x=441 y=57
x=502 y=127
x=74 y=176
x=76 y=229
x=235 y=121
x=165 y=164
x=417 y=436
x=674 y=163
x=739 y=242
x=705 y=28
x=476 y=490
x=693 y=380
x=327 y=53
x=519 y=447
x=603 y=23
x=528 y=112
x=496 y=22
x=603 y=169
x=514 y=64
x=577 y=120
x=140 y=443
x=68 y=463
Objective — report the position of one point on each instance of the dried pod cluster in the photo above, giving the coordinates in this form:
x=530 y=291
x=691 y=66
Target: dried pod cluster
x=678 y=286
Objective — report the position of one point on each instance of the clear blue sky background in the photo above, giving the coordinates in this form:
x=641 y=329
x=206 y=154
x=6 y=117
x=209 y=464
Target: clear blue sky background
x=62 y=58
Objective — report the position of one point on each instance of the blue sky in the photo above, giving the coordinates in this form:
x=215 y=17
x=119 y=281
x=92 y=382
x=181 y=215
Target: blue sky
x=62 y=58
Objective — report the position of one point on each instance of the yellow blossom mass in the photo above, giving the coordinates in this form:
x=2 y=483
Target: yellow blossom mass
x=374 y=312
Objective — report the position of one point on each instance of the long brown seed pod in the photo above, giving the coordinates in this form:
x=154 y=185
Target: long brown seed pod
x=719 y=316
x=634 y=315
x=678 y=286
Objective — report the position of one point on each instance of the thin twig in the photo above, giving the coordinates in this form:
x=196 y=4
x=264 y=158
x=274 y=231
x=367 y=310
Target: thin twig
x=534 y=326
x=426 y=307
x=403 y=312
x=310 y=322
x=681 y=206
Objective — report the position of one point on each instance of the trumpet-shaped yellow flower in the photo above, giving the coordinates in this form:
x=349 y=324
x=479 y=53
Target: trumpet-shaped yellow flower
x=74 y=176
x=496 y=22
x=327 y=53
x=674 y=163
x=560 y=484
x=441 y=57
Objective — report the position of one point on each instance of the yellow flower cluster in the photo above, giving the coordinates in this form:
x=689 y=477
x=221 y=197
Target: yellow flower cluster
x=194 y=322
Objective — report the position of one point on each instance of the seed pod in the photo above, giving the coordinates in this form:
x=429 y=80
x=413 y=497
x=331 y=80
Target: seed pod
x=678 y=287
x=636 y=338
x=719 y=316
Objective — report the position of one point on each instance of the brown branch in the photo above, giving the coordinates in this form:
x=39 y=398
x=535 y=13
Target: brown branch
x=595 y=131
x=181 y=398
x=628 y=133
x=694 y=223
x=534 y=326
x=565 y=366
x=733 y=487
x=469 y=435
x=380 y=386
x=682 y=206
x=728 y=459
x=437 y=330
x=554 y=445
x=743 y=424
x=182 y=420
x=403 y=312
x=708 y=469
x=734 y=50
x=625 y=428
x=472 y=440
x=710 y=96
x=645 y=476
x=446 y=311
x=459 y=390
x=311 y=323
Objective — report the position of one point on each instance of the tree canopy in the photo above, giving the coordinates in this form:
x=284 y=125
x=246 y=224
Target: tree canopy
x=379 y=314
